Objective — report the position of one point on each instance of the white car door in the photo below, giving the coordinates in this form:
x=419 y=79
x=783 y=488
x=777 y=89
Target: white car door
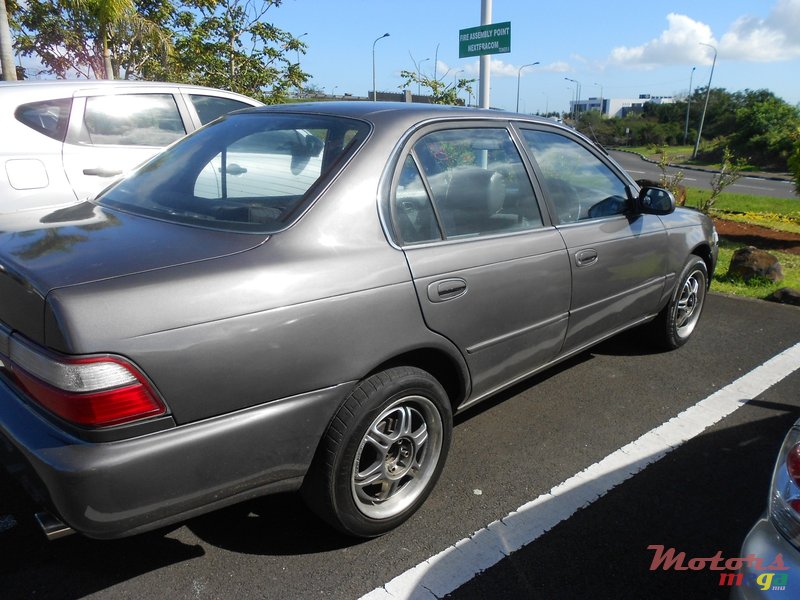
x=113 y=131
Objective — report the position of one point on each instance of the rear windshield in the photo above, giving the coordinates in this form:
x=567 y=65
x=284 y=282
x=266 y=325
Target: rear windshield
x=249 y=172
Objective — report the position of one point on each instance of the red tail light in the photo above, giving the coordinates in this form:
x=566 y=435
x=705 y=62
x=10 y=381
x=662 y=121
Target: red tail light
x=92 y=391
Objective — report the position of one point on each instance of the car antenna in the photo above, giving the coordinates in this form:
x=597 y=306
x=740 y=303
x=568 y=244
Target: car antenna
x=594 y=137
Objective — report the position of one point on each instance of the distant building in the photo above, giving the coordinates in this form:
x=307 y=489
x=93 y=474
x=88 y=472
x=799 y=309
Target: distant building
x=617 y=107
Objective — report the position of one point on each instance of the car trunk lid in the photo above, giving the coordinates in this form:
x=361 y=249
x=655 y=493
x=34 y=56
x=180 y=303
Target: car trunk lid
x=44 y=250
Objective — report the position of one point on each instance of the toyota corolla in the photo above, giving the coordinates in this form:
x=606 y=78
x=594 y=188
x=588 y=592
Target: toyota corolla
x=300 y=298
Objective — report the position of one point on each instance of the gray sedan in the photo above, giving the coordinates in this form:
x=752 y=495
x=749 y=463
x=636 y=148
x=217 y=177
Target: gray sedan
x=300 y=298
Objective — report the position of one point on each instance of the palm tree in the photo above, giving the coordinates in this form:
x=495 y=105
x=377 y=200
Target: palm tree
x=112 y=14
x=6 y=53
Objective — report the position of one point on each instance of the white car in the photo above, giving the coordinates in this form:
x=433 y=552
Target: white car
x=64 y=141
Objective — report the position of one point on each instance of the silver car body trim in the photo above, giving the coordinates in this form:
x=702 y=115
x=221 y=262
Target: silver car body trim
x=519 y=332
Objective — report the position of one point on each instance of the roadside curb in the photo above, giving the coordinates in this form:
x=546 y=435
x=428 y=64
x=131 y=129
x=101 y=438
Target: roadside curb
x=701 y=169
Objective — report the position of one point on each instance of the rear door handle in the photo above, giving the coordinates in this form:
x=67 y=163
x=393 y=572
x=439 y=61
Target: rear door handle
x=100 y=172
x=447 y=289
x=584 y=258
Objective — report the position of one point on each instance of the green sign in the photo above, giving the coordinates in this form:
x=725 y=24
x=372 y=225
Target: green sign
x=486 y=39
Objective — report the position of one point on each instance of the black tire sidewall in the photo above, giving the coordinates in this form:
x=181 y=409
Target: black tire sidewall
x=673 y=339
x=401 y=382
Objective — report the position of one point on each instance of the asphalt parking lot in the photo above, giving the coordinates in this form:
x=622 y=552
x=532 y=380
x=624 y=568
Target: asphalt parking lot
x=700 y=498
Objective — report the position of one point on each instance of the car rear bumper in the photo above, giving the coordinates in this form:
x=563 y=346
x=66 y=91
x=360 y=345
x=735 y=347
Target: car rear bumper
x=114 y=489
x=765 y=543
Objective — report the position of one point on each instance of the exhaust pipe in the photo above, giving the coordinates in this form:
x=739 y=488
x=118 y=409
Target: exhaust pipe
x=52 y=527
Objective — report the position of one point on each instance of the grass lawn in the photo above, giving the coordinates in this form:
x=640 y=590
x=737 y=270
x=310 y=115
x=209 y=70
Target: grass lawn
x=773 y=213
x=721 y=282
x=782 y=214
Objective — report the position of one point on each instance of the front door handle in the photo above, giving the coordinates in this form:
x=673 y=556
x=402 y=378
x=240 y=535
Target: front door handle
x=584 y=258
x=446 y=289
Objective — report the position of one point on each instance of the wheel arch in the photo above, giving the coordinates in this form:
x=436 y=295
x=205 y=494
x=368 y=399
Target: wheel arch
x=451 y=373
x=704 y=252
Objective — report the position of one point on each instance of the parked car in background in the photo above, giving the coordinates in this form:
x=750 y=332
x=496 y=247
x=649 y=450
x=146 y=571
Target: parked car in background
x=301 y=297
x=64 y=141
x=774 y=541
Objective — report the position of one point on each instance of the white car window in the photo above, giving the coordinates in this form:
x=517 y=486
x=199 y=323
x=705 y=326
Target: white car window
x=132 y=120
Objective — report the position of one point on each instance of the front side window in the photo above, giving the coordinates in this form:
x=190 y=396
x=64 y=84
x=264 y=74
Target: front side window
x=49 y=117
x=477 y=181
x=579 y=185
x=248 y=172
x=132 y=120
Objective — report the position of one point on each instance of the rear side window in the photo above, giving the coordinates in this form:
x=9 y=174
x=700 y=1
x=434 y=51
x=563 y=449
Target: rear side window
x=210 y=107
x=477 y=183
x=132 y=120
x=49 y=117
x=248 y=172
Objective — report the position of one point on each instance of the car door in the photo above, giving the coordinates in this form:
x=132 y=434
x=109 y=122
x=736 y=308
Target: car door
x=617 y=256
x=111 y=131
x=490 y=274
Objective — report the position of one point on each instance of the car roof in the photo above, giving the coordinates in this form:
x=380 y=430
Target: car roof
x=55 y=87
x=402 y=114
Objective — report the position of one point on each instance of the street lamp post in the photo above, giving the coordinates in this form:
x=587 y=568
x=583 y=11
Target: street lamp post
x=519 y=76
x=374 y=89
x=297 y=50
x=577 y=96
x=601 y=98
x=705 y=106
x=688 y=104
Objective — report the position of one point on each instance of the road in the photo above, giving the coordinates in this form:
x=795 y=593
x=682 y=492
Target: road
x=642 y=169
x=700 y=498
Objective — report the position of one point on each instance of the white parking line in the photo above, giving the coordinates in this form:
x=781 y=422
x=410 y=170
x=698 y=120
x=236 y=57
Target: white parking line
x=454 y=566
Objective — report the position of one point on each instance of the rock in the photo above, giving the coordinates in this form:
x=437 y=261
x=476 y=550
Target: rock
x=785 y=296
x=751 y=262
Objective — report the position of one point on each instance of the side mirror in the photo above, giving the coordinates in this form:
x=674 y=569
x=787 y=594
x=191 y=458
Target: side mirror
x=655 y=201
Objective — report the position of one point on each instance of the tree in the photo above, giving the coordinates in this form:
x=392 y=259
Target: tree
x=729 y=172
x=794 y=161
x=765 y=125
x=229 y=44
x=440 y=92
x=71 y=37
x=6 y=53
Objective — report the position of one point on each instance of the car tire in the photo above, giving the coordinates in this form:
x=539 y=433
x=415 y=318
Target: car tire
x=382 y=453
x=677 y=321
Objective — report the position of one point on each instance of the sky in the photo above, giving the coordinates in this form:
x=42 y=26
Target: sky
x=617 y=49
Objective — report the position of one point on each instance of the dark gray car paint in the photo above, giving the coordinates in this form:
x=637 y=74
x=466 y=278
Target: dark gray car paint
x=253 y=342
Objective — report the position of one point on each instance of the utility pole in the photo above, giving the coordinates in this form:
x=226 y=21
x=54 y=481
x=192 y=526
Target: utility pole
x=688 y=104
x=705 y=107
